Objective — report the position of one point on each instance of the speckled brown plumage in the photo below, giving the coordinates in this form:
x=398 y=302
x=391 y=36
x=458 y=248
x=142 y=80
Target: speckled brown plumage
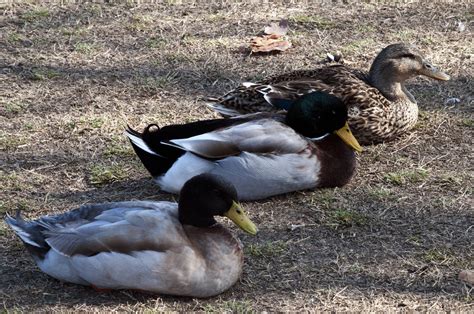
x=380 y=107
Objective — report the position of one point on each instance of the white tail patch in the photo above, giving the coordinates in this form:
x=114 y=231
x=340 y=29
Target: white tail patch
x=140 y=143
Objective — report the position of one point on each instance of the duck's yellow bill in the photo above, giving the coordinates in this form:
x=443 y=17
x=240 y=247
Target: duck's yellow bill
x=346 y=135
x=238 y=216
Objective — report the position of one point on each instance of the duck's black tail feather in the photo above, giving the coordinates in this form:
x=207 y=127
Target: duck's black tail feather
x=155 y=156
x=31 y=233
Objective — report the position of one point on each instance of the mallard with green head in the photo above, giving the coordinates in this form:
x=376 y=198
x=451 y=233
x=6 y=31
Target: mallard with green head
x=159 y=247
x=261 y=154
x=380 y=106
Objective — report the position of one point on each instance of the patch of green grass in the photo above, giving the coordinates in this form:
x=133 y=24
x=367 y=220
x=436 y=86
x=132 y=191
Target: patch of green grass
x=428 y=40
x=173 y=2
x=324 y=198
x=84 y=48
x=70 y=125
x=414 y=239
x=155 y=43
x=469 y=15
x=216 y=17
x=268 y=249
x=44 y=74
x=343 y=218
x=96 y=122
x=175 y=57
x=407 y=176
x=188 y=39
x=3 y=208
x=140 y=23
x=101 y=174
x=380 y=193
x=230 y=306
x=95 y=9
x=74 y=31
x=468 y=122
x=11 y=181
x=318 y=21
x=14 y=37
x=405 y=35
x=365 y=28
x=15 y=107
x=450 y=179
x=157 y=82
x=4 y=229
x=436 y=255
x=11 y=142
x=13 y=206
x=119 y=150
x=35 y=15
x=28 y=126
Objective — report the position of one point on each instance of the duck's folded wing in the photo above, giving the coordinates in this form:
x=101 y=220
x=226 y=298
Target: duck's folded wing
x=135 y=230
x=259 y=136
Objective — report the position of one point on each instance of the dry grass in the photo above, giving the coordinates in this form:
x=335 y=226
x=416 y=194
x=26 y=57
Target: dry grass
x=395 y=238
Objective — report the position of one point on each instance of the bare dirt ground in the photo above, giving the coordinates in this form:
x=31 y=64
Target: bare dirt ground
x=396 y=237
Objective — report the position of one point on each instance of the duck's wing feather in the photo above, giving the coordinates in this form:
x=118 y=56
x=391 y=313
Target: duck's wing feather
x=259 y=136
x=125 y=228
x=275 y=92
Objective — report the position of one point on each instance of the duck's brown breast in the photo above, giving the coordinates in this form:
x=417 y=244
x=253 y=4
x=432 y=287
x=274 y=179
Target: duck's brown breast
x=337 y=160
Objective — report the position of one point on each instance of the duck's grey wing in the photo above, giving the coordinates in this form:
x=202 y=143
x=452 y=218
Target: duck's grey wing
x=259 y=136
x=124 y=227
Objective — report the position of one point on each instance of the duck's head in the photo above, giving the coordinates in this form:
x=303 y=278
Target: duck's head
x=205 y=196
x=318 y=114
x=400 y=62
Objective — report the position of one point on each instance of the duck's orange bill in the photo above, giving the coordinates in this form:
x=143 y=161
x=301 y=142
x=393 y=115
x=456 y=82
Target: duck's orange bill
x=346 y=135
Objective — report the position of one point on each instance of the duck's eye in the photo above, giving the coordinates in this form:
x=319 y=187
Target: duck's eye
x=239 y=211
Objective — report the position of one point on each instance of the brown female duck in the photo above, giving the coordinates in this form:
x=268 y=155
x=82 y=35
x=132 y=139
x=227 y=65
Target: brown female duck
x=380 y=106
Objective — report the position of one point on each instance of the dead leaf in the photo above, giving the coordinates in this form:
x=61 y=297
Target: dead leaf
x=273 y=39
x=267 y=43
x=278 y=29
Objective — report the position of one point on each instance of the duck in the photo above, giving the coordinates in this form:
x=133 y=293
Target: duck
x=157 y=247
x=262 y=155
x=381 y=108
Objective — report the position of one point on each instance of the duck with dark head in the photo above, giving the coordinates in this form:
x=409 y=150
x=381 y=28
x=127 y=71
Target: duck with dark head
x=261 y=154
x=158 y=247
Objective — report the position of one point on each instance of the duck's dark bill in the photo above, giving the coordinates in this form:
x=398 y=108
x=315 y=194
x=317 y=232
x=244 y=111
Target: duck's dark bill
x=346 y=135
x=238 y=216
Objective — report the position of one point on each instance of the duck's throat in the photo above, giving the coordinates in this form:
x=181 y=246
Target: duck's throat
x=394 y=91
x=391 y=85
